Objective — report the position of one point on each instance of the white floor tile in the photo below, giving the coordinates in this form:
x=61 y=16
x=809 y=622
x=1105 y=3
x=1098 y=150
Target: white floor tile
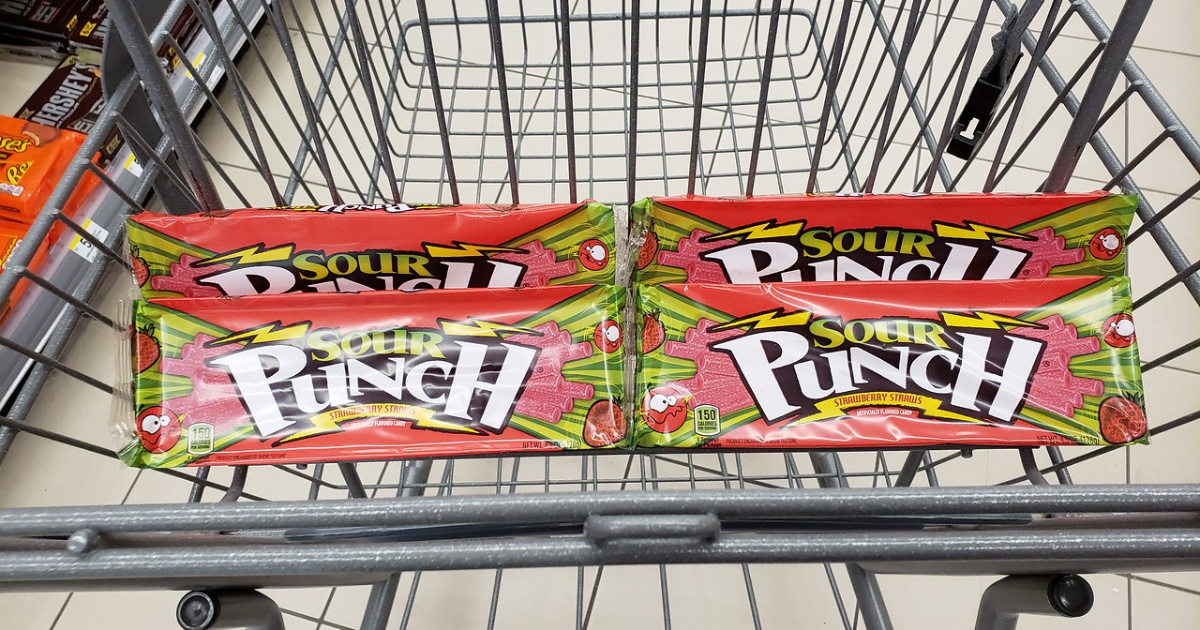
x=350 y=602
x=1166 y=28
x=1189 y=581
x=21 y=79
x=31 y=611
x=1160 y=607
x=112 y=610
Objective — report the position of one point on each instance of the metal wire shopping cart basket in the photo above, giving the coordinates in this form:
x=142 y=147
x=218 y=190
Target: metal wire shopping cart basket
x=546 y=101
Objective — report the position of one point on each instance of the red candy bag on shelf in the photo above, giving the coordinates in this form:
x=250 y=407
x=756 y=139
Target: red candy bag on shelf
x=33 y=158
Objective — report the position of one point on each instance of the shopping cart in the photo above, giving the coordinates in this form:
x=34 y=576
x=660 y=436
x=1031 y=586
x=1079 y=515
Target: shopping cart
x=565 y=99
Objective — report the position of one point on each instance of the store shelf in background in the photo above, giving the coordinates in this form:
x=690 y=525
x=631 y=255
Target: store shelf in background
x=42 y=321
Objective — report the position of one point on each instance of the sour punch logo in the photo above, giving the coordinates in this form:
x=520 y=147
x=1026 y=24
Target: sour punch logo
x=962 y=367
x=258 y=270
x=297 y=382
x=793 y=252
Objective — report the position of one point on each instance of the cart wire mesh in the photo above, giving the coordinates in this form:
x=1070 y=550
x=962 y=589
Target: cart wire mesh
x=449 y=102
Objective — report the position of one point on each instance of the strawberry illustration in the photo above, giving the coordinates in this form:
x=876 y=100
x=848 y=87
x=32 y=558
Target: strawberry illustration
x=145 y=350
x=648 y=250
x=653 y=334
x=604 y=424
x=1121 y=420
x=141 y=273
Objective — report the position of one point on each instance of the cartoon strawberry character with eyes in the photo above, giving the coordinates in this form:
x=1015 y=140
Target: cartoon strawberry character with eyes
x=158 y=429
x=1118 y=331
x=665 y=408
x=593 y=254
x=608 y=336
x=1106 y=244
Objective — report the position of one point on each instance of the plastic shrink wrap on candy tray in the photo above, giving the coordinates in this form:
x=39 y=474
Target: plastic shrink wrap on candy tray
x=888 y=364
x=381 y=375
x=879 y=237
x=356 y=248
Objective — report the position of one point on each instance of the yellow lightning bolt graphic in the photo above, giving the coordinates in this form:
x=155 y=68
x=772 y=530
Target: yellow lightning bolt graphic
x=252 y=255
x=980 y=319
x=758 y=231
x=419 y=418
x=275 y=331
x=770 y=319
x=971 y=230
x=929 y=408
x=481 y=328
x=294 y=208
x=467 y=250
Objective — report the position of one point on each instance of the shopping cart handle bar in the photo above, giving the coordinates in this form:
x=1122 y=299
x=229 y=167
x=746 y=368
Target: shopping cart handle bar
x=563 y=508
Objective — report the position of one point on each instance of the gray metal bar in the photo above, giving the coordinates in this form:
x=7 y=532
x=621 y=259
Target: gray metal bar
x=918 y=111
x=1158 y=106
x=237 y=484
x=125 y=18
x=354 y=483
x=783 y=503
x=1031 y=468
x=110 y=253
x=948 y=126
x=256 y=155
x=569 y=96
x=833 y=74
x=1063 y=474
x=1108 y=68
x=865 y=585
x=635 y=32
x=1017 y=98
x=698 y=106
x=358 y=42
x=493 y=8
x=383 y=594
x=764 y=88
x=602 y=529
x=912 y=463
x=915 y=16
x=1080 y=550
x=56 y=364
x=92 y=312
x=436 y=89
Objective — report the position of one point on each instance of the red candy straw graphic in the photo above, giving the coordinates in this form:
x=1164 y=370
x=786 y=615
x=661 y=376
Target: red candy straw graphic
x=1054 y=387
x=547 y=394
x=716 y=381
x=540 y=265
x=183 y=278
x=1048 y=252
x=688 y=257
x=214 y=398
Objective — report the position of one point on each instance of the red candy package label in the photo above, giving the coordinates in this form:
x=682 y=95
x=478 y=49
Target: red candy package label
x=278 y=379
x=855 y=365
x=879 y=237
x=358 y=248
